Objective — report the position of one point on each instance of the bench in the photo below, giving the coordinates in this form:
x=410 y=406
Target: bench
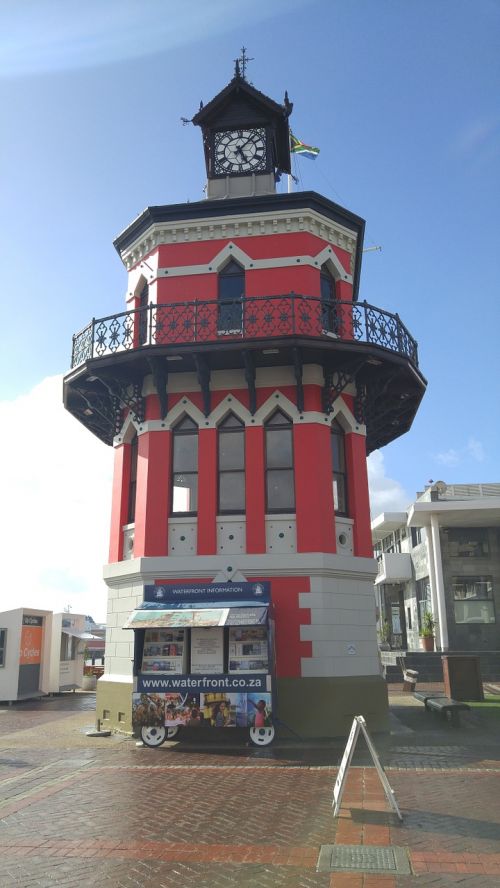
x=410 y=676
x=439 y=703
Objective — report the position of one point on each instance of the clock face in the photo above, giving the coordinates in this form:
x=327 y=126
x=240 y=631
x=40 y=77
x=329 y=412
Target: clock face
x=240 y=151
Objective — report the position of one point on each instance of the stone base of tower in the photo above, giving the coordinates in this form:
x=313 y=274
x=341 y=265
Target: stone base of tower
x=325 y=707
x=114 y=704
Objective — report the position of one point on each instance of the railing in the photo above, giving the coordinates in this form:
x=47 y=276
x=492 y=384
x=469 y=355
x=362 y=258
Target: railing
x=255 y=317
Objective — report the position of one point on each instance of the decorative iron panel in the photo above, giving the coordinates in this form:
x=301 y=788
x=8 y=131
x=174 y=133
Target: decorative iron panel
x=255 y=317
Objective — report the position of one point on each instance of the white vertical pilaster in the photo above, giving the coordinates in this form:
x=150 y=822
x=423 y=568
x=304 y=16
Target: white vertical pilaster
x=432 y=572
x=440 y=593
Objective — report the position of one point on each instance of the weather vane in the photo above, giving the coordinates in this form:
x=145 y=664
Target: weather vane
x=240 y=64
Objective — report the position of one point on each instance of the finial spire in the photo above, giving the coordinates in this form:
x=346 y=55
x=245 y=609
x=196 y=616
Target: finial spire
x=240 y=64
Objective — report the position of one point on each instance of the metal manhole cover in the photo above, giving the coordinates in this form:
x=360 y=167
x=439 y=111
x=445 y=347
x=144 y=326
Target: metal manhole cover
x=363 y=858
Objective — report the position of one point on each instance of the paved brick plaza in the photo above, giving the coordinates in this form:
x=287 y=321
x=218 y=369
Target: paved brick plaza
x=77 y=810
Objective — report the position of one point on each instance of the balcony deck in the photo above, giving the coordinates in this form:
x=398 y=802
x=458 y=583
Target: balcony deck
x=353 y=342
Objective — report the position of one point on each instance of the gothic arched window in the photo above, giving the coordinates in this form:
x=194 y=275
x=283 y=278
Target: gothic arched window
x=132 y=487
x=231 y=293
x=280 y=491
x=142 y=305
x=339 y=469
x=185 y=467
x=231 y=434
x=329 y=313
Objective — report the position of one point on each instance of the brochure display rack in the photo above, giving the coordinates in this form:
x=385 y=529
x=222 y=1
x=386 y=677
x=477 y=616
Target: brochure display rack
x=164 y=651
x=248 y=649
x=203 y=658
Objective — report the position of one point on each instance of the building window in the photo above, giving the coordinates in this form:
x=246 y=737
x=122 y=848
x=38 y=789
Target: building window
x=467 y=542
x=132 y=488
x=69 y=645
x=280 y=493
x=231 y=294
x=185 y=468
x=143 y=303
x=416 y=536
x=3 y=644
x=231 y=433
x=339 y=469
x=329 y=315
x=473 y=599
x=423 y=598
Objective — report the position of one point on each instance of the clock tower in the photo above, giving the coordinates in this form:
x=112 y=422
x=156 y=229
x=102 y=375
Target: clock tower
x=242 y=387
x=246 y=140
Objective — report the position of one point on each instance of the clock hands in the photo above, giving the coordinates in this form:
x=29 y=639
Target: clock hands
x=241 y=151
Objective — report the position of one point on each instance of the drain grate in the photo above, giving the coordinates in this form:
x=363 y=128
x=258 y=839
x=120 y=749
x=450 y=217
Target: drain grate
x=363 y=858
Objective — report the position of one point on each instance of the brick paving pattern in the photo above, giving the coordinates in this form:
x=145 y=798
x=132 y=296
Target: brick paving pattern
x=77 y=810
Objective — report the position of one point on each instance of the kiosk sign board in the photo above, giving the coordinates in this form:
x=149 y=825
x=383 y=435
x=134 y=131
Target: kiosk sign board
x=200 y=595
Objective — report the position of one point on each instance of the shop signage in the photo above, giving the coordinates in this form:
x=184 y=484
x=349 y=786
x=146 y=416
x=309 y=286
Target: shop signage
x=207 y=594
x=206 y=683
x=30 y=651
x=29 y=620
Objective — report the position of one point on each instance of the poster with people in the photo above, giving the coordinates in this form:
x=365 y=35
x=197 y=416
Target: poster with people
x=202 y=710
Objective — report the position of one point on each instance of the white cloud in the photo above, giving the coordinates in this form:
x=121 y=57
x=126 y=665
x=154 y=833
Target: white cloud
x=60 y=36
x=55 y=506
x=448 y=457
x=386 y=495
x=452 y=458
x=475 y=449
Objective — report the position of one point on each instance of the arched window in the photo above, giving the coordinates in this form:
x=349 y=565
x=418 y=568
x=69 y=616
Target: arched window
x=185 y=468
x=231 y=465
x=329 y=314
x=339 y=469
x=280 y=492
x=230 y=296
x=132 y=487
x=142 y=314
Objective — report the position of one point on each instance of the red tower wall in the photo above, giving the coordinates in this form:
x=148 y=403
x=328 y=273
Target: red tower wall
x=312 y=528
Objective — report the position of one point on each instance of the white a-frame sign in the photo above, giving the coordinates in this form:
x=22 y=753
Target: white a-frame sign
x=358 y=725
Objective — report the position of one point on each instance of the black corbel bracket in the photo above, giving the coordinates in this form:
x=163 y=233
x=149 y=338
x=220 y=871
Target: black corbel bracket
x=297 y=364
x=250 y=380
x=100 y=413
x=203 y=371
x=159 y=372
x=125 y=395
x=338 y=380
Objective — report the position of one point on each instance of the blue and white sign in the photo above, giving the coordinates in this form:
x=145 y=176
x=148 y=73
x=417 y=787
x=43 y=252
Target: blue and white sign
x=205 y=683
x=196 y=595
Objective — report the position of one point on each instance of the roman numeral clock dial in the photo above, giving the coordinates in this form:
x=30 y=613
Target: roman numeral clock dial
x=240 y=151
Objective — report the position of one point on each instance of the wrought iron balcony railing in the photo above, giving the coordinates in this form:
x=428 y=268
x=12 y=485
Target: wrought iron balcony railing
x=254 y=317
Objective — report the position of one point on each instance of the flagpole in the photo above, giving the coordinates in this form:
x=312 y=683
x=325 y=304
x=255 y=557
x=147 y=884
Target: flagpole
x=290 y=183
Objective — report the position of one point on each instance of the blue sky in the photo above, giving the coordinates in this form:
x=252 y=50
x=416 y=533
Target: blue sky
x=402 y=100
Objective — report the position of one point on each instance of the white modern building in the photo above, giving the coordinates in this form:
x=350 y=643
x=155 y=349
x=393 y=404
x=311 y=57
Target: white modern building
x=441 y=555
x=40 y=652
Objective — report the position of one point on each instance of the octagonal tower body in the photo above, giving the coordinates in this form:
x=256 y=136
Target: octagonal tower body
x=242 y=388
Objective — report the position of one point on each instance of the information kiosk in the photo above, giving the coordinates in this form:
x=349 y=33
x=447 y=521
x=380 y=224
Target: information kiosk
x=203 y=658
